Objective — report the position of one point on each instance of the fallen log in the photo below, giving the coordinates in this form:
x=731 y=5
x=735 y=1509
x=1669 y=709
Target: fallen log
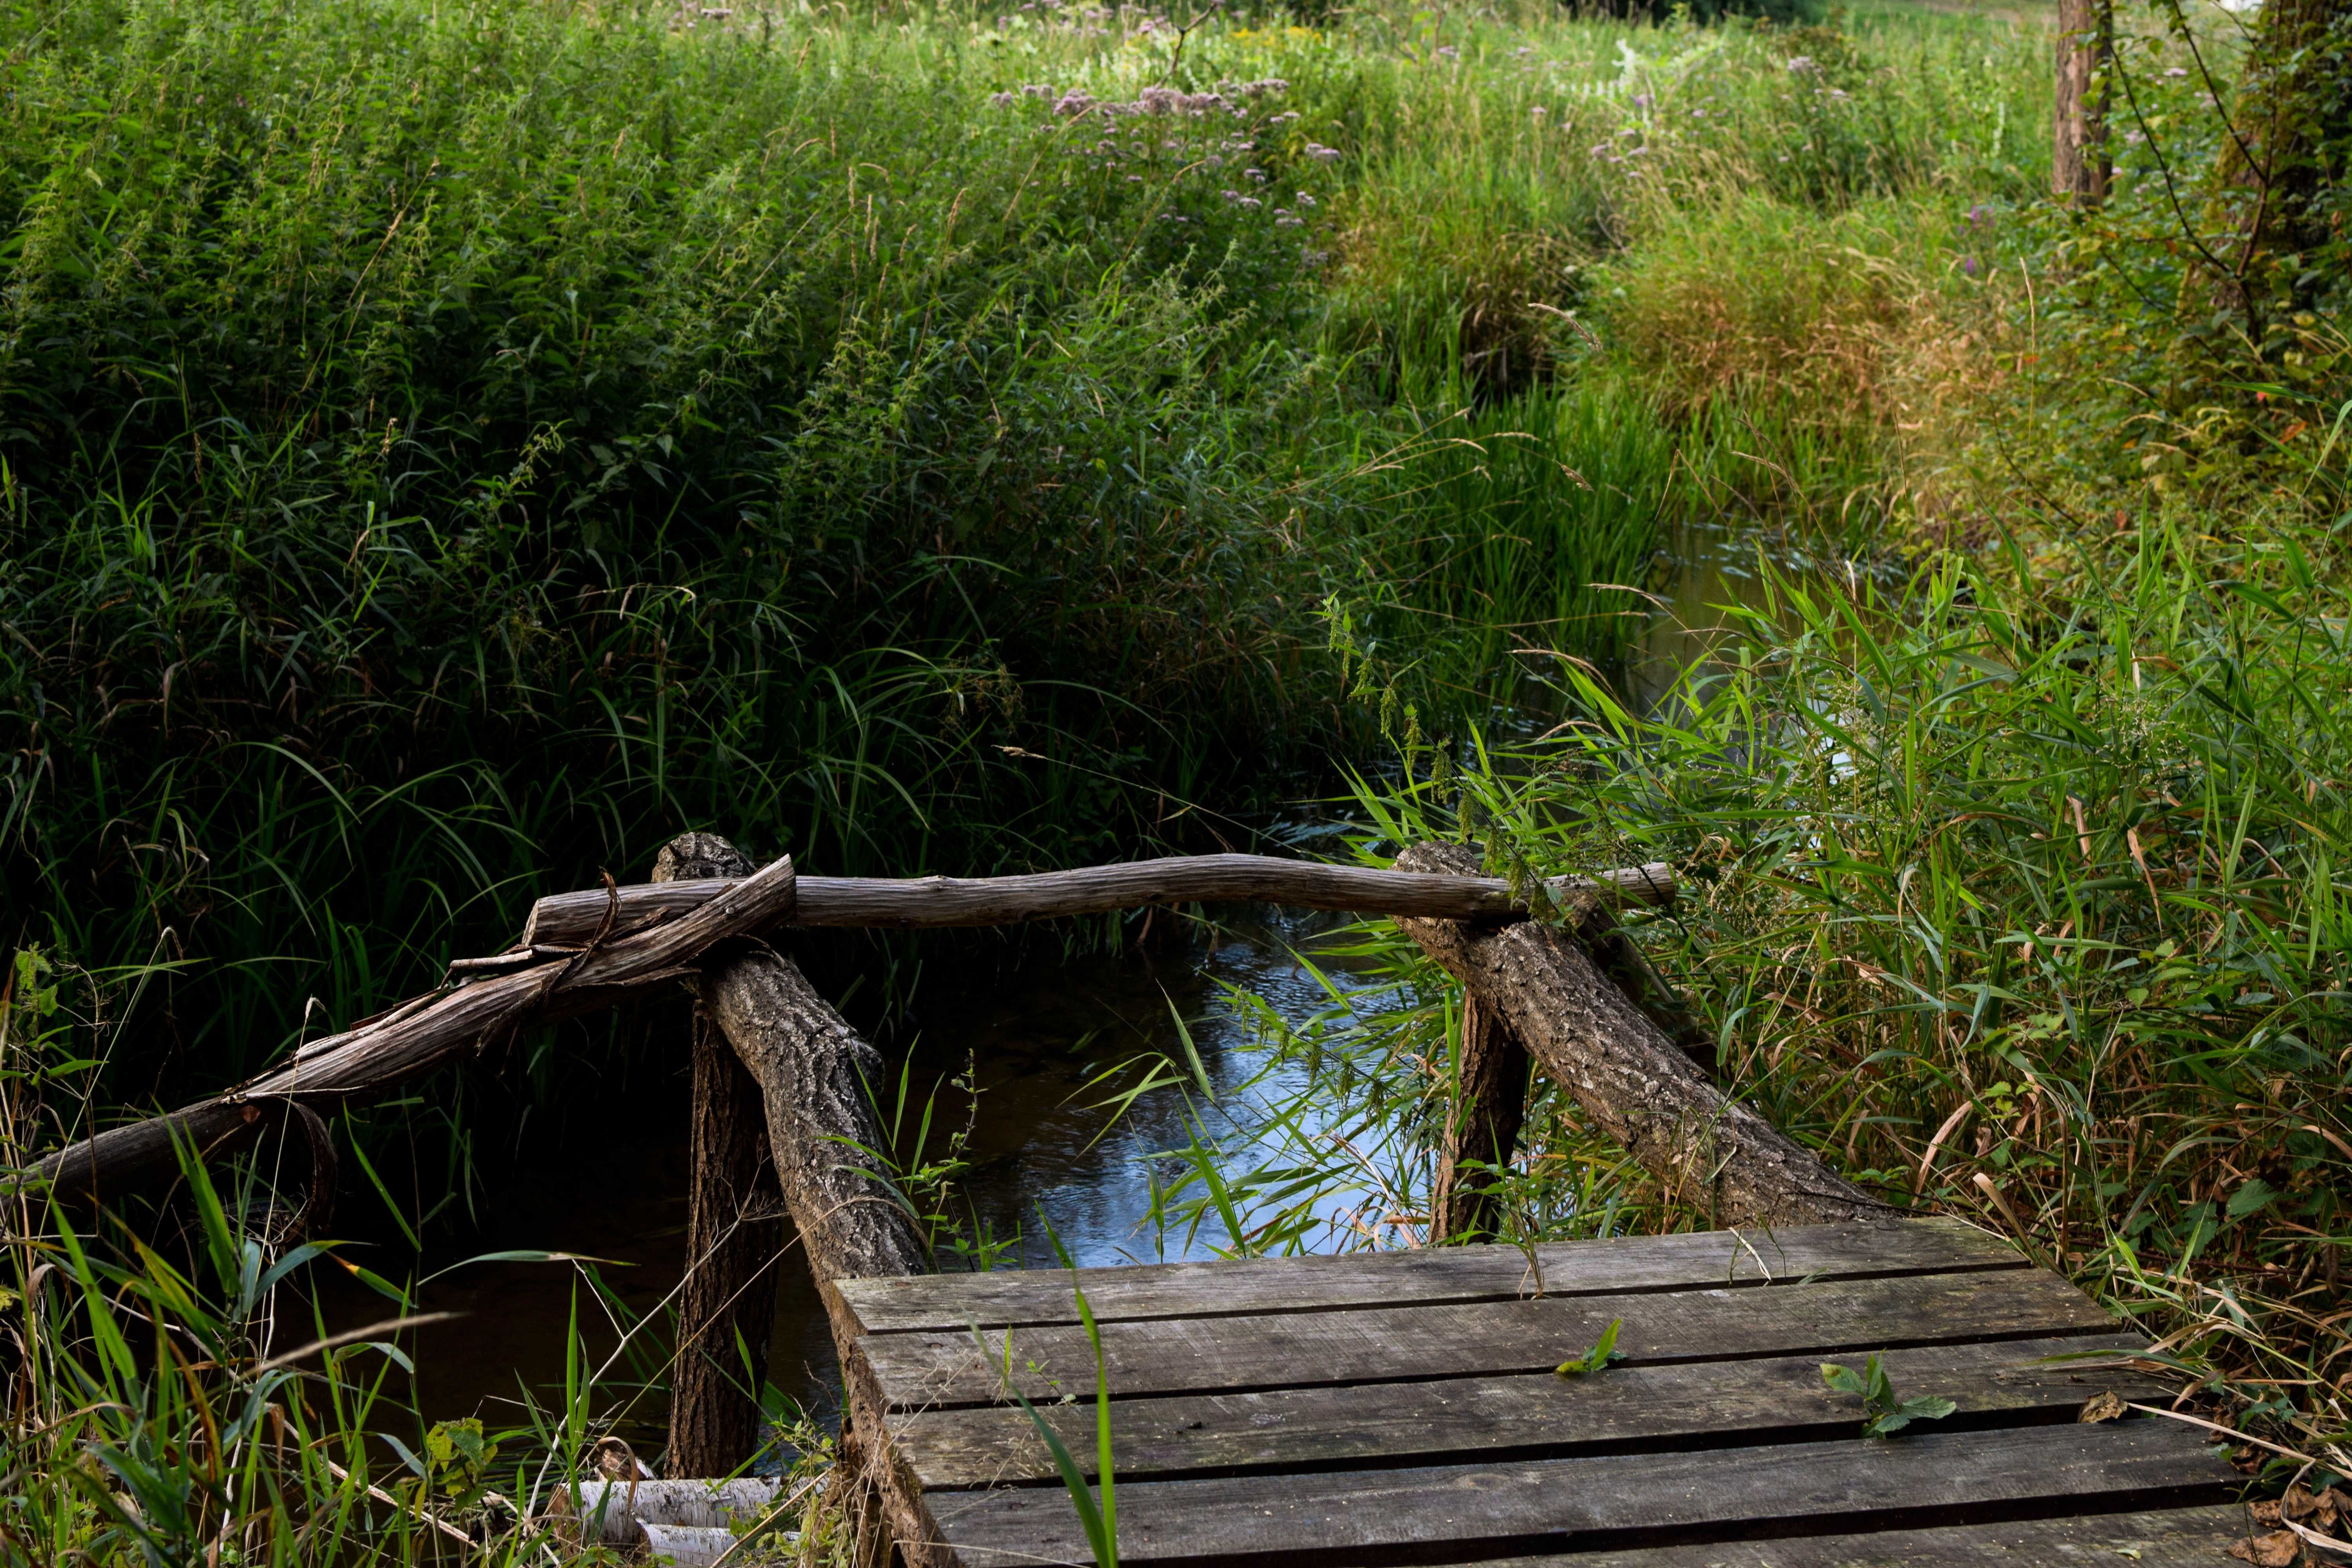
x=692 y=1522
x=564 y=919
x=1640 y=1088
x=427 y=1032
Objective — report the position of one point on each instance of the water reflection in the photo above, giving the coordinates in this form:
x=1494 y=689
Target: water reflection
x=1035 y=1037
x=1707 y=567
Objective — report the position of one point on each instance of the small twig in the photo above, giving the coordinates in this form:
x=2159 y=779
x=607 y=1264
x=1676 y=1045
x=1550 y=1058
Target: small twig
x=2225 y=1431
x=426 y=1514
x=502 y=962
x=1185 y=32
x=390 y=1325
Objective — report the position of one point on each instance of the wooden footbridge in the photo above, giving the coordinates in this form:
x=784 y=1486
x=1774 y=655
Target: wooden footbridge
x=1388 y=1409
x=1404 y=1408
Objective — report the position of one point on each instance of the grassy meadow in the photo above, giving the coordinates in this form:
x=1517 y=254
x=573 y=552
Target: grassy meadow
x=446 y=449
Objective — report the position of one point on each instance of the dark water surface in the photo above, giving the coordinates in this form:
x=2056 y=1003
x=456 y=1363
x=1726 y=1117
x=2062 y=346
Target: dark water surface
x=1034 y=1034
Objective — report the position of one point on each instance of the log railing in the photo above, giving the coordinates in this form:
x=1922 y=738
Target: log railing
x=775 y=1107
x=568 y=919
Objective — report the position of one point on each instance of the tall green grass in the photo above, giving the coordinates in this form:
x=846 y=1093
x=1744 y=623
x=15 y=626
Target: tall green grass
x=2022 y=905
x=452 y=448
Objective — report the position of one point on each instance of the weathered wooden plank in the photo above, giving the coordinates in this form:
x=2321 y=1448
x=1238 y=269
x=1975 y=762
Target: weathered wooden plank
x=2170 y=1538
x=1431 y=1275
x=1645 y=1408
x=934 y=901
x=927 y=1370
x=1463 y=1512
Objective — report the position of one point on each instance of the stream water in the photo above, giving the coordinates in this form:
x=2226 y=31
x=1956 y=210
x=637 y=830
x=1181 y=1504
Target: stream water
x=1043 y=1148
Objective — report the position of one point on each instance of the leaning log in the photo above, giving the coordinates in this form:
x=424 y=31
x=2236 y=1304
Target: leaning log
x=427 y=1032
x=734 y=1227
x=565 y=919
x=817 y=1076
x=1638 y=1085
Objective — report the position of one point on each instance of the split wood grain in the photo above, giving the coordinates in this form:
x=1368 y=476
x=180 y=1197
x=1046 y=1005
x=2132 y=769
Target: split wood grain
x=1632 y=1408
x=1431 y=1275
x=2169 y=1538
x=564 y=919
x=1461 y=1512
x=930 y=1370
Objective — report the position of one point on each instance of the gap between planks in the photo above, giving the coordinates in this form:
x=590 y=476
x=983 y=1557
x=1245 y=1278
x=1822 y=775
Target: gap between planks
x=1632 y=1409
x=1450 y=1276
x=1417 y=1344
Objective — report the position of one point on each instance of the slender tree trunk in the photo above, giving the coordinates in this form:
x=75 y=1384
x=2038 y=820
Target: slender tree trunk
x=1492 y=1103
x=734 y=1231
x=2086 y=46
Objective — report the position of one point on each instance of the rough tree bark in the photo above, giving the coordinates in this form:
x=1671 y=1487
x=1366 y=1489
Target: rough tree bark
x=734 y=1231
x=1639 y=1087
x=1493 y=1104
x=812 y=1070
x=2295 y=118
x=426 y=1033
x=2079 y=165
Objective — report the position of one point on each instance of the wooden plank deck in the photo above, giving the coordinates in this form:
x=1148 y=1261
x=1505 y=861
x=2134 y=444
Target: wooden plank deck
x=1400 y=1408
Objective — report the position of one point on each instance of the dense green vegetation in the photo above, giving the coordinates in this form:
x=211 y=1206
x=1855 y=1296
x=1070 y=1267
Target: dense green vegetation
x=450 y=448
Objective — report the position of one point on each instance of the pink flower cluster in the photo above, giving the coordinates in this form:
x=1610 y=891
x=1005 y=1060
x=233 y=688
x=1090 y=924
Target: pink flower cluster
x=1077 y=101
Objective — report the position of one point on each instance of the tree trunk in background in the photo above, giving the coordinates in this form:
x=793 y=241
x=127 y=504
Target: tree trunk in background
x=1493 y=1104
x=734 y=1230
x=2086 y=46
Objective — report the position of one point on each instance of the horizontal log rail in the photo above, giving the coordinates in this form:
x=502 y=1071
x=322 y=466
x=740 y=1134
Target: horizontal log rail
x=565 y=920
x=585 y=951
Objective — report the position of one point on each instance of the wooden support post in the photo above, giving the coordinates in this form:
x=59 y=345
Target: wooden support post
x=1485 y=1127
x=814 y=1074
x=733 y=1231
x=1637 y=1084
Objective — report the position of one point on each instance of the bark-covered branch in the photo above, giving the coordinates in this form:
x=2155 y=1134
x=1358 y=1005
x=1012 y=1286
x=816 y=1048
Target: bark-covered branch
x=430 y=1032
x=565 y=918
x=1639 y=1087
